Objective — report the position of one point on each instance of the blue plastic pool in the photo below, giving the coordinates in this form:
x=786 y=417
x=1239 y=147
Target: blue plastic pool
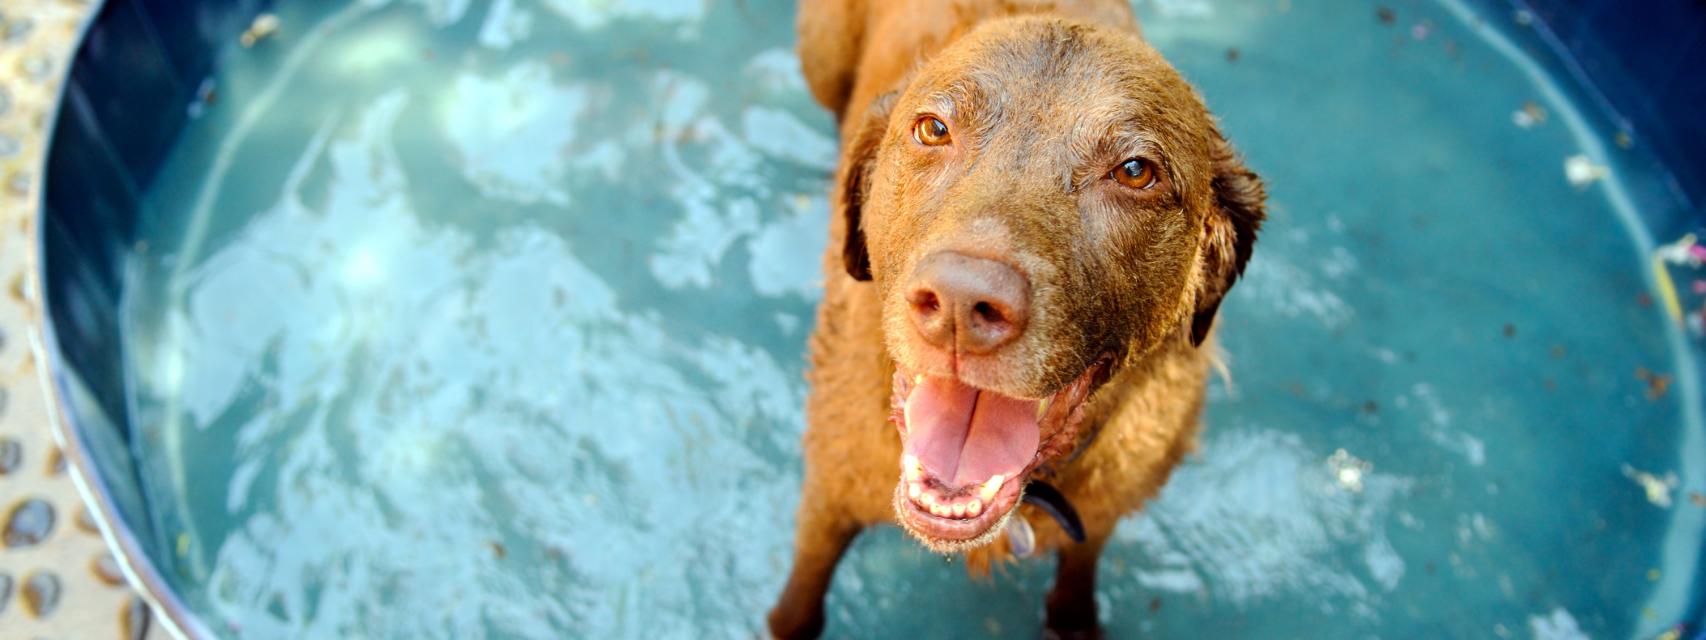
x=452 y=319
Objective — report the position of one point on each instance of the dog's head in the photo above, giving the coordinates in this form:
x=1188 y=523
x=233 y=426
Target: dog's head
x=1044 y=201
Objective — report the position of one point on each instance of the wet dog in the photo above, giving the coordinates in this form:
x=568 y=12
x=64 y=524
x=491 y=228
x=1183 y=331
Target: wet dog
x=1035 y=221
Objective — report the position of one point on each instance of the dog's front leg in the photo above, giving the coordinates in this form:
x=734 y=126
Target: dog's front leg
x=820 y=539
x=1072 y=601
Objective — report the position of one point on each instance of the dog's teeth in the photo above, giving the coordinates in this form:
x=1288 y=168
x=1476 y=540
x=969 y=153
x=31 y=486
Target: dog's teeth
x=974 y=507
x=914 y=490
x=988 y=490
x=927 y=499
x=960 y=510
x=918 y=379
x=940 y=511
x=1042 y=407
x=910 y=466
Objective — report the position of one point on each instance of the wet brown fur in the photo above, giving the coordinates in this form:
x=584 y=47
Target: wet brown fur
x=1044 y=98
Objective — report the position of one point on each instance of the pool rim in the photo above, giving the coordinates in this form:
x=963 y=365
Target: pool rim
x=134 y=561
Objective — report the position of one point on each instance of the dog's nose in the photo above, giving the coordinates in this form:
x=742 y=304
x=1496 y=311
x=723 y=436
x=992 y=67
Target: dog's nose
x=968 y=304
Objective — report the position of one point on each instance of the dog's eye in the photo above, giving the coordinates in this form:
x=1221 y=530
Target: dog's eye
x=1136 y=173
x=930 y=131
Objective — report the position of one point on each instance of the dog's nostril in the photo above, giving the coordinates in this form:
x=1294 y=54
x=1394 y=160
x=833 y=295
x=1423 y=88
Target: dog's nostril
x=988 y=313
x=926 y=301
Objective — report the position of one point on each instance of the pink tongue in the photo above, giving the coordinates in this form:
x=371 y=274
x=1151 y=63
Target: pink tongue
x=963 y=436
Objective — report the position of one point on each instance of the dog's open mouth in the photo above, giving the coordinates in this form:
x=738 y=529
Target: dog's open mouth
x=967 y=453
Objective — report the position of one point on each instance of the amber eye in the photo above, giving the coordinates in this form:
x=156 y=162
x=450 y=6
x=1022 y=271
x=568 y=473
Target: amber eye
x=1136 y=173
x=930 y=131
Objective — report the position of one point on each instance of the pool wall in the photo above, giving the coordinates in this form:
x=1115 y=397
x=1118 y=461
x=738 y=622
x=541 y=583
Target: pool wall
x=143 y=65
x=1640 y=63
x=139 y=69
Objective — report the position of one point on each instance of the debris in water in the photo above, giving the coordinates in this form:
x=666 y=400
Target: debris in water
x=1684 y=251
x=1658 y=489
x=1348 y=470
x=264 y=26
x=1530 y=115
x=1623 y=140
x=1386 y=16
x=1581 y=171
x=1232 y=54
x=205 y=96
x=1657 y=383
x=1524 y=17
x=1421 y=30
x=1699 y=499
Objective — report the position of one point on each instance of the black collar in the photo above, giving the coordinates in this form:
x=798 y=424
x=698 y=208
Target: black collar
x=1044 y=496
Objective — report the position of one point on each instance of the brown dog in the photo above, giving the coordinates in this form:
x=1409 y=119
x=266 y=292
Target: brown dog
x=1036 y=221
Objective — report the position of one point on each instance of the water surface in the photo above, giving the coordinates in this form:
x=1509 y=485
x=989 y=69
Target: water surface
x=459 y=319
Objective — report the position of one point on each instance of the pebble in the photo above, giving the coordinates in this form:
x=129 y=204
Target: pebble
x=136 y=618
x=86 y=521
x=16 y=30
x=18 y=184
x=106 y=570
x=29 y=523
x=37 y=67
x=11 y=452
x=41 y=593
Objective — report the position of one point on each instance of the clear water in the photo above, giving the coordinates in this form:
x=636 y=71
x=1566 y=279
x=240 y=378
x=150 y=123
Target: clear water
x=464 y=319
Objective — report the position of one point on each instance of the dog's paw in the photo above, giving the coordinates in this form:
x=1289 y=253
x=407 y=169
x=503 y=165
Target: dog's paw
x=1092 y=633
x=789 y=625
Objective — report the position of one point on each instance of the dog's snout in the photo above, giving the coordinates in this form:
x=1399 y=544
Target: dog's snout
x=967 y=304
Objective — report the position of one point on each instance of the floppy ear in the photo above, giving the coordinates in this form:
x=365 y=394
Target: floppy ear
x=1230 y=234
x=857 y=160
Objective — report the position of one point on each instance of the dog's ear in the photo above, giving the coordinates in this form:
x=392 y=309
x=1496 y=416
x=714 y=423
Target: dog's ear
x=1230 y=234
x=858 y=158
